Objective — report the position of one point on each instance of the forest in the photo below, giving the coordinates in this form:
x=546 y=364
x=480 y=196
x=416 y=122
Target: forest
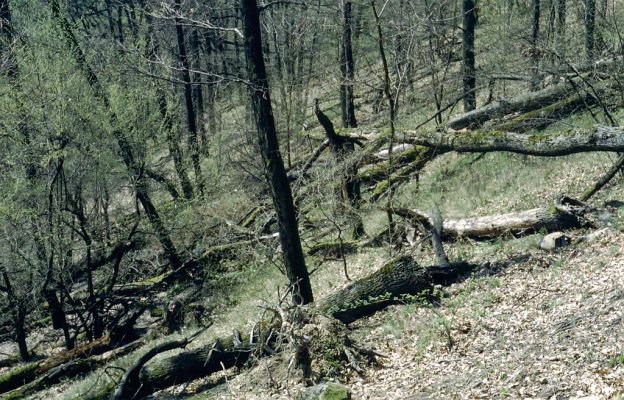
x=311 y=199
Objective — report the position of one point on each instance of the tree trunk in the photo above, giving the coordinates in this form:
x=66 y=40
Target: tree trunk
x=390 y=97
x=590 y=26
x=522 y=103
x=198 y=90
x=561 y=26
x=172 y=142
x=342 y=148
x=347 y=68
x=565 y=214
x=191 y=117
x=468 y=38
x=294 y=261
x=601 y=138
x=535 y=50
x=19 y=316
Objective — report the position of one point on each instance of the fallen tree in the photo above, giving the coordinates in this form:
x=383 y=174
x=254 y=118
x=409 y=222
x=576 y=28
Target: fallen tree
x=70 y=370
x=564 y=214
x=541 y=117
x=564 y=94
x=565 y=142
x=20 y=376
x=397 y=278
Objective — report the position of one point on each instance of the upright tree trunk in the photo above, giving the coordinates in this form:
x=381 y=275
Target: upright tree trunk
x=535 y=51
x=590 y=27
x=347 y=69
x=172 y=142
x=469 y=75
x=125 y=148
x=561 y=25
x=188 y=100
x=198 y=90
x=294 y=261
x=19 y=316
x=391 y=104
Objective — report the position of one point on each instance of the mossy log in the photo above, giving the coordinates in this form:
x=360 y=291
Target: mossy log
x=334 y=249
x=20 y=376
x=397 y=278
x=403 y=174
x=417 y=155
x=226 y=352
x=70 y=370
x=565 y=142
x=544 y=116
x=523 y=103
x=564 y=214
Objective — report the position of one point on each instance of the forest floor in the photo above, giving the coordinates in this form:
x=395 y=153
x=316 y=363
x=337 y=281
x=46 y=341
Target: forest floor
x=548 y=326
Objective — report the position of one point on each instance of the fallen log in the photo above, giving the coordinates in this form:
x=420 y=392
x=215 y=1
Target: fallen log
x=522 y=103
x=564 y=214
x=404 y=174
x=565 y=142
x=544 y=116
x=397 y=278
x=418 y=154
x=20 y=376
x=70 y=370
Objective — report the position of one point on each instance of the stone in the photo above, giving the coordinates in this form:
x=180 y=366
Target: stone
x=555 y=240
x=326 y=391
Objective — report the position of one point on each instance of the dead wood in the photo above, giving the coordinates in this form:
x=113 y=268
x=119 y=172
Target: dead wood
x=565 y=142
x=388 y=285
x=70 y=370
x=565 y=213
x=522 y=103
x=28 y=373
x=606 y=178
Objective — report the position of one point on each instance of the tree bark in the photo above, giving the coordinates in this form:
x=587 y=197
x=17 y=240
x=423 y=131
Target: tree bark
x=566 y=213
x=191 y=116
x=347 y=68
x=342 y=148
x=522 y=103
x=590 y=26
x=468 y=39
x=294 y=261
x=601 y=138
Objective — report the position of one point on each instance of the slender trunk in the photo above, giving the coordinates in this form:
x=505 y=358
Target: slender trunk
x=561 y=25
x=468 y=38
x=17 y=308
x=590 y=27
x=122 y=141
x=198 y=90
x=535 y=51
x=172 y=142
x=390 y=98
x=347 y=68
x=294 y=261
x=188 y=100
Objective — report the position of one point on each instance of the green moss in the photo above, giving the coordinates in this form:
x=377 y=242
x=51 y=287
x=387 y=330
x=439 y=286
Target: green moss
x=335 y=392
x=18 y=376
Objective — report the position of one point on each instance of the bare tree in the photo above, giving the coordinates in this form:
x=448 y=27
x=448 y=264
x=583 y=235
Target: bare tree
x=294 y=261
